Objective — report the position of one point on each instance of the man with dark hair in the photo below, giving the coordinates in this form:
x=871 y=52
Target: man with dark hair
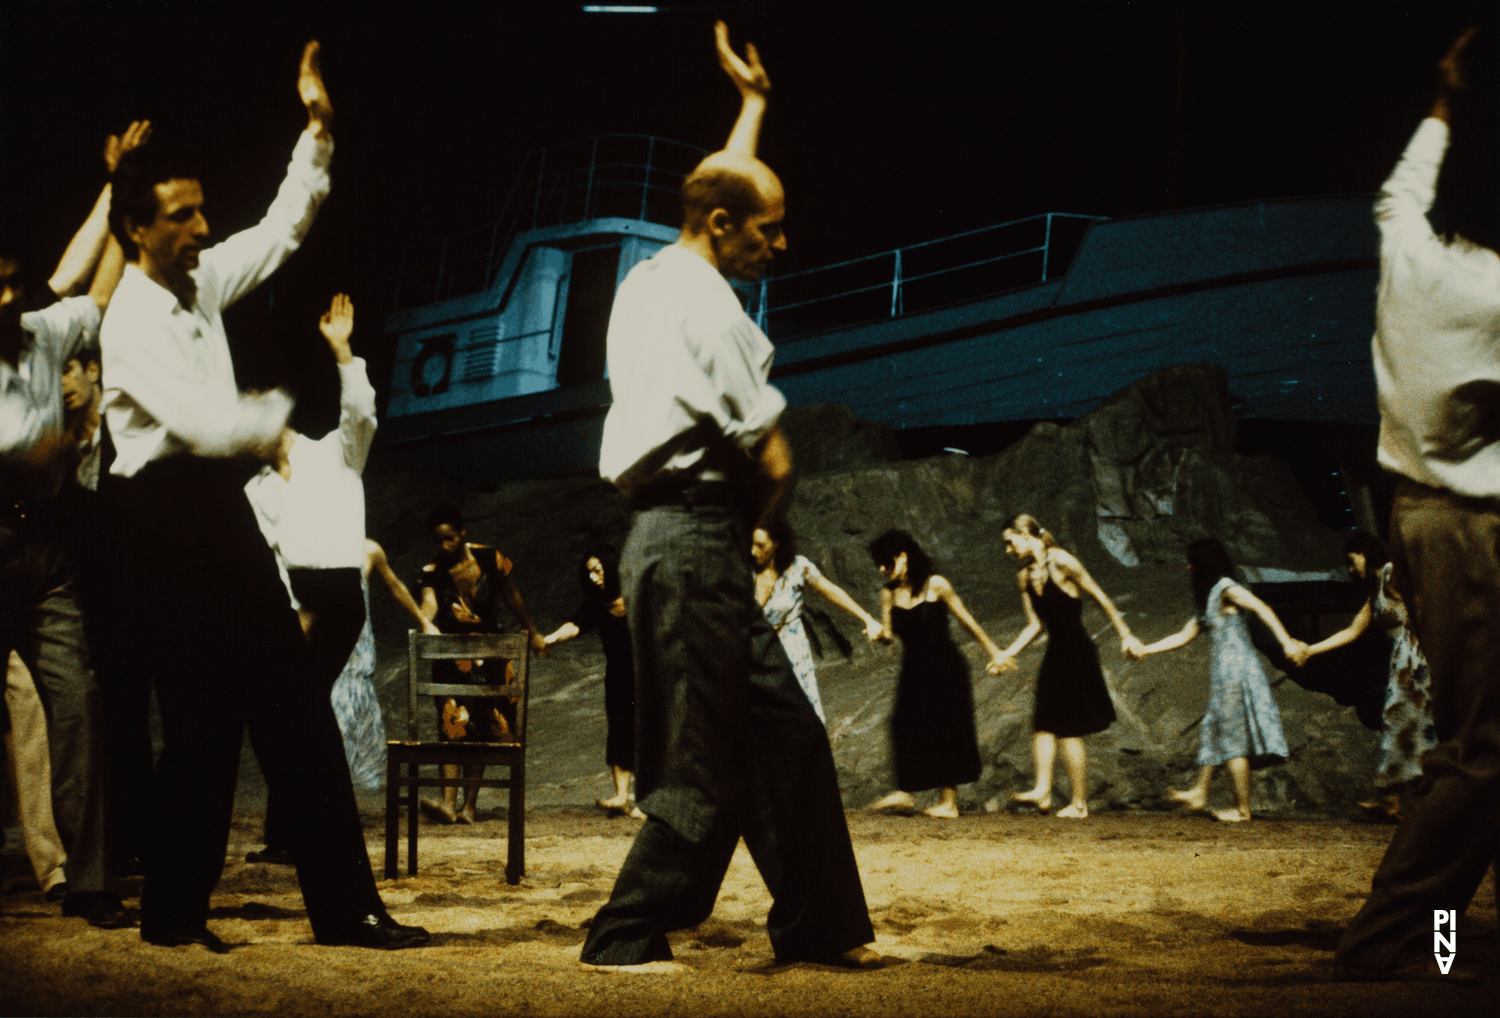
x=210 y=620
x=40 y=614
x=728 y=744
x=1437 y=332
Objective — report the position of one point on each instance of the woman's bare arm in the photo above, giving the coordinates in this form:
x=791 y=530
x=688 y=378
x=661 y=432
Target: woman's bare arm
x=1033 y=622
x=949 y=596
x=375 y=555
x=1181 y=638
x=1242 y=598
x=886 y=636
x=1074 y=570
x=836 y=594
x=1353 y=631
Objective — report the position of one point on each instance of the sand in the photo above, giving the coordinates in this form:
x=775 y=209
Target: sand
x=1127 y=912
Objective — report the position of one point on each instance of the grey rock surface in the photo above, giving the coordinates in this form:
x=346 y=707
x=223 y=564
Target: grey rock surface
x=1124 y=488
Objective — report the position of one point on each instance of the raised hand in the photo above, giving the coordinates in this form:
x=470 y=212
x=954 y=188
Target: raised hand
x=336 y=325
x=1452 y=68
x=749 y=77
x=116 y=145
x=312 y=90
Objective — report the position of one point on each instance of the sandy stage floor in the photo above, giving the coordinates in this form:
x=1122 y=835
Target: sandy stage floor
x=1124 y=913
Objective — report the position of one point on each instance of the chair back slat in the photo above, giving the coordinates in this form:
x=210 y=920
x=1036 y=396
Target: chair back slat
x=423 y=649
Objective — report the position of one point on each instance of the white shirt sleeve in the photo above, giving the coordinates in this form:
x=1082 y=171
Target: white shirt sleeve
x=62 y=329
x=238 y=265
x=1401 y=210
x=357 y=422
x=746 y=407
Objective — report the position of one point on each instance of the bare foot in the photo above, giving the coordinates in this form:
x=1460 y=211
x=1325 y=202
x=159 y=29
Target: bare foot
x=618 y=803
x=635 y=812
x=1191 y=798
x=1232 y=816
x=470 y=815
x=943 y=811
x=1074 y=811
x=860 y=958
x=896 y=800
x=439 y=811
x=1041 y=800
x=649 y=968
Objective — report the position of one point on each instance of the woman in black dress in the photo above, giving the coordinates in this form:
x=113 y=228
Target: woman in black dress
x=462 y=591
x=933 y=744
x=603 y=608
x=1071 y=698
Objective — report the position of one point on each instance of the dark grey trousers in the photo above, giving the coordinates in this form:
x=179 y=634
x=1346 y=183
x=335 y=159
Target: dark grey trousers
x=1446 y=551
x=728 y=746
x=41 y=620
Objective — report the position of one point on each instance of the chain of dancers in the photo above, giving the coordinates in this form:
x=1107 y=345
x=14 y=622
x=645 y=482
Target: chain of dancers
x=133 y=469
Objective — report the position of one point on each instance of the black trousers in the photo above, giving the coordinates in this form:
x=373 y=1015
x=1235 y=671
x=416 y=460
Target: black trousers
x=336 y=600
x=41 y=619
x=728 y=747
x=1446 y=551
x=212 y=625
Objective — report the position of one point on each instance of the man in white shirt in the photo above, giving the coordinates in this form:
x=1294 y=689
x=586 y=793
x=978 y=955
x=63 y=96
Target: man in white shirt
x=209 y=616
x=310 y=504
x=1437 y=365
x=40 y=613
x=728 y=744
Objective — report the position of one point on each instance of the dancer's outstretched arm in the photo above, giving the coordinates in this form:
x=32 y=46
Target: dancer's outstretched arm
x=1181 y=638
x=1452 y=76
x=1353 y=631
x=1074 y=570
x=89 y=244
x=1242 y=598
x=945 y=592
x=1033 y=626
x=834 y=593
x=375 y=554
x=754 y=85
x=512 y=598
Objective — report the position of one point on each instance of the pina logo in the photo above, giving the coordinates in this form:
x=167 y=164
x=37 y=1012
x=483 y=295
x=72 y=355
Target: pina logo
x=1441 y=918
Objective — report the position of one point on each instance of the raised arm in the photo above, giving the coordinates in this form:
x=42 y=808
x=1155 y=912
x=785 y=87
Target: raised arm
x=754 y=85
x=245 y=260
x=1242 y=598
x=375 y=555
x=949 y=596
x=357 y=422
x=834 y=593
x=1353 y=631
x=90 y=243
x=1452 y=76
x=1026 y=635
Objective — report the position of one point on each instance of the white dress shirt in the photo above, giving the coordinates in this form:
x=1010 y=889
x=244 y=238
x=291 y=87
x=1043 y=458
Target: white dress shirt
x=169 y=381
x=1437 y=336
x=31 y=400
x=682 y=353
x=316 y=519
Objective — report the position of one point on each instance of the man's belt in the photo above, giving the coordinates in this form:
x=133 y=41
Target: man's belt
x=686 y=490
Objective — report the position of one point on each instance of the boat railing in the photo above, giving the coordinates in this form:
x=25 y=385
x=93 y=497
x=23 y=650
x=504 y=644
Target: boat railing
x=631 y=176
x=929 y=274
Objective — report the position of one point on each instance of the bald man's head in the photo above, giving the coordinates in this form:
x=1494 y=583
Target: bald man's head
x=734 y=204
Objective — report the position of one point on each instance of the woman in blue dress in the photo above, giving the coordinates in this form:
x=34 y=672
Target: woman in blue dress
x=781 y=577
x=1242 y=727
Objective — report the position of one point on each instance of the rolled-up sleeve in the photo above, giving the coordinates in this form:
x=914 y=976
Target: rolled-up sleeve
x=735 y=359
x=1405 y=198
x=357 y=422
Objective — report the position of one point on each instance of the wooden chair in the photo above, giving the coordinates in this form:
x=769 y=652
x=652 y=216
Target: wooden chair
x=404 y=759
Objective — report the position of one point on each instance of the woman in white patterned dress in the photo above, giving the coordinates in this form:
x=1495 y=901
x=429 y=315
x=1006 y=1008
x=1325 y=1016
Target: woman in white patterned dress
x=781 y=577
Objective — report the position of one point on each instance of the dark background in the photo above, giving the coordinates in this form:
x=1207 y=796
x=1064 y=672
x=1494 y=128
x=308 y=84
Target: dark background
x=890 y=123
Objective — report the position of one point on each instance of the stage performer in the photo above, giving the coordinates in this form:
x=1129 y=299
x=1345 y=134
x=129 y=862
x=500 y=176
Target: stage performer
x=1072 y=700
x=1437 y=324
x=1242 y=728
x=209 y=616
x=728 y=745
x=781 y=578
x=603 y=608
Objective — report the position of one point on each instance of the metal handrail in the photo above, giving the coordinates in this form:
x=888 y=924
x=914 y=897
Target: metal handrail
x=900 y=279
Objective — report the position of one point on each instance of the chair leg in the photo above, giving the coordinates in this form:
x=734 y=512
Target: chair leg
x=413 y=798
x=392 y=813
x=515 y=851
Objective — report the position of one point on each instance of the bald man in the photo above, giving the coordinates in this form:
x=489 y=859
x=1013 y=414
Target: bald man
x=728 y=745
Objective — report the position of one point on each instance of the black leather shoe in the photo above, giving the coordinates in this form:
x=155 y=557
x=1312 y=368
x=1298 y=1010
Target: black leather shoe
x=276 y=855
x=378 y=931
x=57 y=892
x=202 y=937
x=100 y=908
